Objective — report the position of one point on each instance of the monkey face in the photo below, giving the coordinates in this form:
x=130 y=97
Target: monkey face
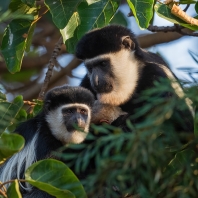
x=75 y=118
x=113 y=76
x=70 y=123
x=100 y=74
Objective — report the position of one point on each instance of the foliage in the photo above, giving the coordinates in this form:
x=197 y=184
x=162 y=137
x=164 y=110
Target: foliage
x=9 y=145
x=61 y=183
x=13 y=190
x=154 y=160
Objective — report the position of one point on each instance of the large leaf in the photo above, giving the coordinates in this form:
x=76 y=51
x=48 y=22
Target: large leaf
x=55 y=178
x=88 y=15
x=8 y=111
x=13 y=190
x=14 y=43
x=165 y=12
x=142 y=11
x=62 y=11
x=29 y=2
x=119 y=18
x=15 y=37
x=4 y=5
x=196 y=7
x=9 y=145
x=187 y=1
x=8 y=15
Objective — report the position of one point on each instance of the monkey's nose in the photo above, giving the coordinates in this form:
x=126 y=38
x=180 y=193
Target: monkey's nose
x=96 y=80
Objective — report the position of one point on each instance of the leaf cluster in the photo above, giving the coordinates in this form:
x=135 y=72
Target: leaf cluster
x=152 y=159
x=73 y=19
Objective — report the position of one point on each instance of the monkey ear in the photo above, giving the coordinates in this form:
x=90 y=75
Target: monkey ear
x=127 y=43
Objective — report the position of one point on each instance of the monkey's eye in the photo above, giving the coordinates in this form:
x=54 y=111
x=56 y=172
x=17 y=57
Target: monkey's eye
x=67 y=111
x=103 y=63
x=83 y=111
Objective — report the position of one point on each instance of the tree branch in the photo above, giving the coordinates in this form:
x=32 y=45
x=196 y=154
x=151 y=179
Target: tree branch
x=50 y=68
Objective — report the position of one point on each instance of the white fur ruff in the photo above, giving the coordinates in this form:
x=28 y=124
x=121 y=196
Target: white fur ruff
x=25 y=158
x=59 y=130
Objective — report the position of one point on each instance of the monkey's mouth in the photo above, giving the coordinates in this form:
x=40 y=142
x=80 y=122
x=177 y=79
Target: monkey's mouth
x=80 y=128
x=107 y=88
x=72 y=129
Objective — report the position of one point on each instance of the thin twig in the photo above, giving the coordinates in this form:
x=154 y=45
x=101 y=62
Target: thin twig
x=175 y=28
x=29 y=103
x=188 y=33
x=186 y=8
x=3 y=193
x=154 y=28
x=2 y=185
x=50 y=68
x=10 y=181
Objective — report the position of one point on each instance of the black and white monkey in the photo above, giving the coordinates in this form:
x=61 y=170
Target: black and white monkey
x=118 y=70
x=65 y=110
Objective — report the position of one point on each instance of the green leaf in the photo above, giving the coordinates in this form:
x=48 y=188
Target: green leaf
x=23 y=76
x=88 y=16
x=30 y=36
x=8 y=15
x=62 y=11
x=68 y=31
x=119 y=18
x=142 y=10
x=15 y=37
x=55 y=178
x=2 y=96
x=4 y=5
x=13 y=190
x=8 y=111
x=196 y=7
x=165 y=12
x=187 y=1
x=29 y=2
x=14 y=43
x=20 y=117
x=9 y=145
x=37 y=108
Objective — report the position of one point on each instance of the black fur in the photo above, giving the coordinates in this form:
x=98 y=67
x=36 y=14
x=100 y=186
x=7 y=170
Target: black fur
x=108 y=40
x=46 y=142
x=102 y=41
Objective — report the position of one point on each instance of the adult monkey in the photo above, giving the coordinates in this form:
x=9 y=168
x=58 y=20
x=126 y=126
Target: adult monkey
x=118 y=70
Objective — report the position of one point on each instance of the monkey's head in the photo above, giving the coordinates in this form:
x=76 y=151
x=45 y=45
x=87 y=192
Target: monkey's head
x=68 y=113
x=110 y=56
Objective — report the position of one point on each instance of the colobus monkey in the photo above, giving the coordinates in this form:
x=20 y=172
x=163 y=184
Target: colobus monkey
x=65 y=110
x=118 y=70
